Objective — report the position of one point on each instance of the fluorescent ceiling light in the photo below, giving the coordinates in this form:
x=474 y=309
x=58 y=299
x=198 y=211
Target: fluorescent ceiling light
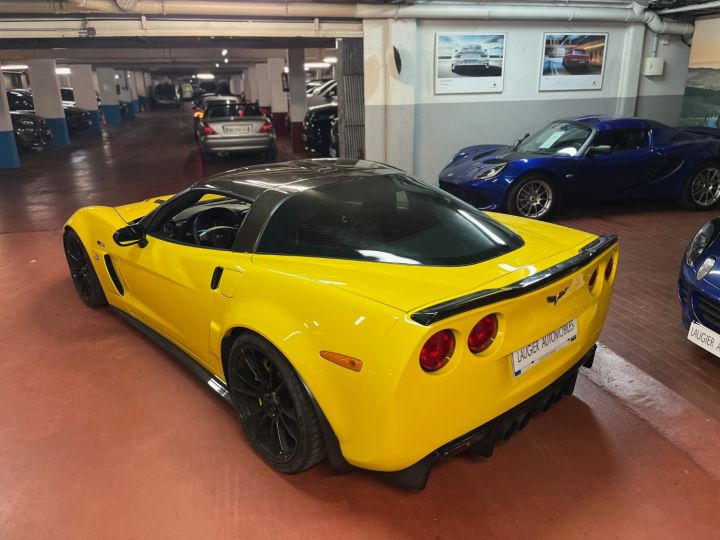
x=316 y=65
x=330 y=59
x=226 y=60
x=62 y=71
x=286 y=69
x=224 y=52
x=217 y=65
x=205 y=76
x=14 y=67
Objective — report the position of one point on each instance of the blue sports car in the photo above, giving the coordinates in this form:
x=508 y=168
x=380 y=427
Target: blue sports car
x=699 y=288
x=589 y=158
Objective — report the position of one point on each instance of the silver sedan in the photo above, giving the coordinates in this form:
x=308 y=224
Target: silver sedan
x=236 y=128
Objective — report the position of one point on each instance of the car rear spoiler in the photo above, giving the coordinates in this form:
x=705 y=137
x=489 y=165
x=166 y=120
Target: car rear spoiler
x=588 y=253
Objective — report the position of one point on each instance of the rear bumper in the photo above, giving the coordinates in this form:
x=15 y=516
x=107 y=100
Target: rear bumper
x=482 y=440
x=237 y=144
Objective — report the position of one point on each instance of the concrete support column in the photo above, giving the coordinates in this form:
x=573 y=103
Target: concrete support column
x=134 y=98
x=108 y=95
x=389 y=92
x=298 y=99
x=251 y=89
x=125 y=95
x=278 y=96
x=81 y=80
x=141 y=89
x=46 y=95
x=9 y=158
x=264 y=96
x=236 y=85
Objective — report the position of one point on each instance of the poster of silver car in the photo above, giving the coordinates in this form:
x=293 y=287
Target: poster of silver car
x=469 y=63
x=573 y=61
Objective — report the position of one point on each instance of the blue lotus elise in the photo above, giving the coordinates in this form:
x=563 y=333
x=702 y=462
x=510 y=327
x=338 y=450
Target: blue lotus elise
x=699 y=288
x=589 y=158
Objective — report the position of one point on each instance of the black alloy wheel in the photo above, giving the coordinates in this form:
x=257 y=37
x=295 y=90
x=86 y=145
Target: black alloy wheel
x=273 y=406
x=82 y=272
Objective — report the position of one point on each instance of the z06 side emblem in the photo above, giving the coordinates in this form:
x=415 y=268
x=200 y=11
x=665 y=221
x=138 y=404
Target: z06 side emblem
x=555 y=299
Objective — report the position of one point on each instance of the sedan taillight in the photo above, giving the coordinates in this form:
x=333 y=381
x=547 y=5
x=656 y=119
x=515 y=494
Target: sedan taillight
x=208 y=130
x=266 y=128
x=437 y=351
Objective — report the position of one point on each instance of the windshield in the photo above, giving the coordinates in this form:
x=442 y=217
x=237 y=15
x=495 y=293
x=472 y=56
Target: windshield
x=232 y=109
x=390 y=219
x=557 y=138
x=20 y=101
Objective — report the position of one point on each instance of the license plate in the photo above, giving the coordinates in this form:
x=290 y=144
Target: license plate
x=237 y=129
x=705 y=338
x=535 y=352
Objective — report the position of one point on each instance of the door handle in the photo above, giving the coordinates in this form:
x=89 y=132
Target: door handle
x=217 y=274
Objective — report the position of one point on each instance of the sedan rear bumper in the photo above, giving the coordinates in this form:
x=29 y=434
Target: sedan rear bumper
x=255 y=143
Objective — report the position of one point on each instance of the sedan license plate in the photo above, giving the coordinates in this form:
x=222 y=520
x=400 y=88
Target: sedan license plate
x=234 y=130
x=533 y=353
x=705 y=338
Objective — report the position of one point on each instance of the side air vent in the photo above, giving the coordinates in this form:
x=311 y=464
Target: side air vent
x=113 y=275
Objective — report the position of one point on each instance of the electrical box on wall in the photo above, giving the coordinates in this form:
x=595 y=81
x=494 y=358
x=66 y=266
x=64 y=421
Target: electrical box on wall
x=653 y=66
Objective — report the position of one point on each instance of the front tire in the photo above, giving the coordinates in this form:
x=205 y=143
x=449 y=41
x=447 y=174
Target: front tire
x=702 y=190
x=533 y=196
x=273 y=406
x=82 y=271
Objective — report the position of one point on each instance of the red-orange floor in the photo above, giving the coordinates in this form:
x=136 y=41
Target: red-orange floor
x=102 y=435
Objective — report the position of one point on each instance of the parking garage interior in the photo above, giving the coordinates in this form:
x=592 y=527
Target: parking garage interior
x=103 y=434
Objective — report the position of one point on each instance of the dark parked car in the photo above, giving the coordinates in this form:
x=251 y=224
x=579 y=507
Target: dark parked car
x=31 y=130
x=576 y=59
x=317 y=128
x=699 y=287
x=77 y=119
x=166 y=96
x=589 y=158
x=236 y=128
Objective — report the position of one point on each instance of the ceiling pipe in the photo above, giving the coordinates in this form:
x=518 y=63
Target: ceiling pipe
x=634 y=13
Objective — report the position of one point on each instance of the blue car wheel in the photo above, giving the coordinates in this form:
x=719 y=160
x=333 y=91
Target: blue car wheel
x=702 y=190
x=533 y=196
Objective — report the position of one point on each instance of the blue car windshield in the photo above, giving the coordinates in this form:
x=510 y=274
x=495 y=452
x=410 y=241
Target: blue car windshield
x=388 y=218
x=557 y=138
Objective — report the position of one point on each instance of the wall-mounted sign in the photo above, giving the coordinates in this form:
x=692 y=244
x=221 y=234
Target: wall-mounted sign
x=573 y=61
x=469 y=63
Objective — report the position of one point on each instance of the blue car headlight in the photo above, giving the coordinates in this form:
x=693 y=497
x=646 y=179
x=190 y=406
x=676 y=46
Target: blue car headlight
x=700 y=243
x=490 y=173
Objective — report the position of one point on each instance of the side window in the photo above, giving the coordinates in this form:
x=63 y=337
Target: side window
x=622 y=140
x=207 y=220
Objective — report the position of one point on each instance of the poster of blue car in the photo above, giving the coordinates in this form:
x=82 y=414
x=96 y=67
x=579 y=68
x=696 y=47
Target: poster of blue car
x=469 y=63
x=573 y=61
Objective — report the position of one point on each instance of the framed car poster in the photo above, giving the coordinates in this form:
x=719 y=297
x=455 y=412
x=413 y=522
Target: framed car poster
x=573 y=61
x=469 y=63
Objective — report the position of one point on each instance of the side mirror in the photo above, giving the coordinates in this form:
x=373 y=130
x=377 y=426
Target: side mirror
x=600 y=150
x=130 y=235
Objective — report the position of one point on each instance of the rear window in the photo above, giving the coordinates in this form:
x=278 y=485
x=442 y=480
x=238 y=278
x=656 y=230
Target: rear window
x=391 y=219
x=233 y=109
x=66 y=94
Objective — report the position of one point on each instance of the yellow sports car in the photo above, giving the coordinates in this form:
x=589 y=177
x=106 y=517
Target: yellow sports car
x=349 y=311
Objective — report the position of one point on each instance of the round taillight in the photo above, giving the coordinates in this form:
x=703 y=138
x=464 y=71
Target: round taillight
x=483 y=334
x=609 y=269
x=437 y=350
x=593 y=280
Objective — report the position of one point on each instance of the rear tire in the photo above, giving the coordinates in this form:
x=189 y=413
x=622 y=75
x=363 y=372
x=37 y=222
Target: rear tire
x=702 y=189
x=82 y=271
x=273 y=406
x=533 y=196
